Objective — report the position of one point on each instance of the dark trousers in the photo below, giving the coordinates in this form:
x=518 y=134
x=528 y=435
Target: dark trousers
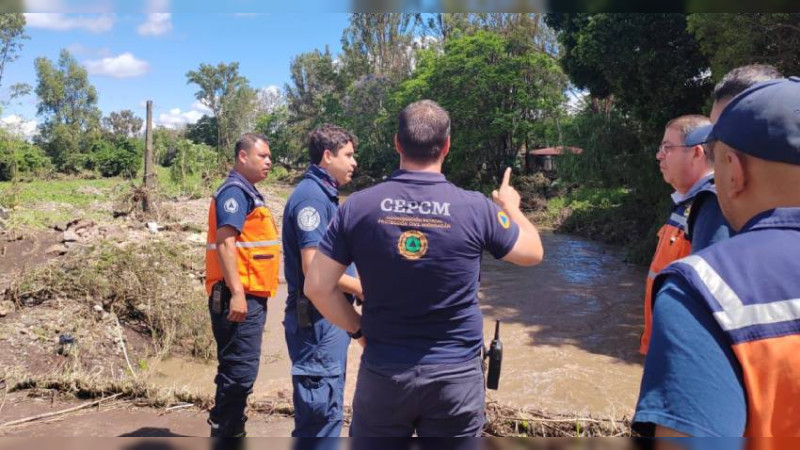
x=433 y=401
x=238 y=355
x=319 y=361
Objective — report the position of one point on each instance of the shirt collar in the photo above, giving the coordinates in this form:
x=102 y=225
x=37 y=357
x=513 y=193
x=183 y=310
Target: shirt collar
x=679 y=198
x=774 y=218
x=238 y=177
x=418 y=176
x=324 y=179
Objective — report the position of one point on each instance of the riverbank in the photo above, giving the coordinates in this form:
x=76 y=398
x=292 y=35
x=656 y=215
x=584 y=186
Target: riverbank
x=114 y=305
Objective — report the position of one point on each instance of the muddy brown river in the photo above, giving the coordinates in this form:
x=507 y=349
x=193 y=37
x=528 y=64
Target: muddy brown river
x=570 y=330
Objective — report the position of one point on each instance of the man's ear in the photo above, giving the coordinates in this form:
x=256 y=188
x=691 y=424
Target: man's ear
x=397 y=147
x=698 y=152
x=327 y=156
x=446 y=147
x=737 y=174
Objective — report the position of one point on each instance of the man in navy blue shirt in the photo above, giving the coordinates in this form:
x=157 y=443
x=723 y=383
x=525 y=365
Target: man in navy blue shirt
x=417 y=241
x=318 y=349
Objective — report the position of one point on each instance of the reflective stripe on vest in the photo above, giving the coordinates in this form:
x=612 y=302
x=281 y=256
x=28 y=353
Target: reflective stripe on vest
x=736 y=315
x=258 y=248
x=749 y=284
x=248 y=244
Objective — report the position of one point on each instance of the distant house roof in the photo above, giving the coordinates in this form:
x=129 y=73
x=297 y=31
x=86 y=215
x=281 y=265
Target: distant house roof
x=553 y=151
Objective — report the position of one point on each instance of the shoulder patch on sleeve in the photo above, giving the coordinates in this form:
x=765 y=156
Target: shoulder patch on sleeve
x=502 y=217
x=308 y=219
x=231 y=206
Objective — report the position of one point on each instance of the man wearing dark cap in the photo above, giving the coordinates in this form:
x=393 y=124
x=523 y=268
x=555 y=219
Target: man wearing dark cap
x=417 y=242
x=723 y=359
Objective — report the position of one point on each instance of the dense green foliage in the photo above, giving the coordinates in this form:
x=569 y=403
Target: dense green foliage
x=504 y=78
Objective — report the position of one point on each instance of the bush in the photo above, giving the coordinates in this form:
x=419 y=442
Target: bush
x=31 y=161
x=192 y=159
x=121 y=158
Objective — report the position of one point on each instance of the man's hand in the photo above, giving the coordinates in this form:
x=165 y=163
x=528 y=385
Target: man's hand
x=363 y=341
x=238 y=308
x=506 y=196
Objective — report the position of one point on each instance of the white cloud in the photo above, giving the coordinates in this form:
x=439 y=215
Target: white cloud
x=156 y=24
x=200 y=107
x=247 y=15
x=18 y=126
x=177 y=119
x=94 y=23
x=123 y=66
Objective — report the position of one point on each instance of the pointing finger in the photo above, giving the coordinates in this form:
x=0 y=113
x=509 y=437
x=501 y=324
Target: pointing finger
x=507 y=177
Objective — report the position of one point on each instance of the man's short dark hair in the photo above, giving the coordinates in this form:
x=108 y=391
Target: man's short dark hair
x=328 y=137
x=739 y=79
x=423 y=129
x=247 y=141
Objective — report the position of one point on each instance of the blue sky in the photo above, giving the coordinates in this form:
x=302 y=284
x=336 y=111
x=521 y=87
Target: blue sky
x=135 y=57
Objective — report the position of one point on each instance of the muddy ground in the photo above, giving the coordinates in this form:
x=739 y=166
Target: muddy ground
x=569 y=330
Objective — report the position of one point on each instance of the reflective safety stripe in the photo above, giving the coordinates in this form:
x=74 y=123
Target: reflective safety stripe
x=735 y=314
x=679 y=219
x=651 y=274
x=249 y=244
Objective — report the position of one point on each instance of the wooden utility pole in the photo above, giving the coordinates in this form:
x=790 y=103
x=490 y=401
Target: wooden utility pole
x=148 y=157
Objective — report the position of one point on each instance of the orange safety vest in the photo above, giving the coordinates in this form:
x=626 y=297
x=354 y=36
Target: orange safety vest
x=258 y=247
x=750 y=285
x=673 y=244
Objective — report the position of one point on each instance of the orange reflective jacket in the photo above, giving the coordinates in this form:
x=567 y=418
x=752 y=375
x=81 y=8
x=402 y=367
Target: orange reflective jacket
x=258 y=248
x=673 y=244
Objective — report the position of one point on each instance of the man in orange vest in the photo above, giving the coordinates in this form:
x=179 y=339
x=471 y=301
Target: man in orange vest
x=723 y=359
x=242 y=261
x=696 y=220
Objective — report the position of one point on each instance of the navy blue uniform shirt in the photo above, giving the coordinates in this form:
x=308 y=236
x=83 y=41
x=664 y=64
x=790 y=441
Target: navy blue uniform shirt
x=417 y=242
x=233 y=205
x=306 y=216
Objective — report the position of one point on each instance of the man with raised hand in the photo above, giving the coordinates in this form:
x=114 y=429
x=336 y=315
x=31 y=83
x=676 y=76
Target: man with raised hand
x=417 y=242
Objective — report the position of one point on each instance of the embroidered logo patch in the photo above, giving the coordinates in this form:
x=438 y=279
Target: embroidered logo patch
x=502 y=217
x=308 y=219
x=231 y=206
x=412 y=245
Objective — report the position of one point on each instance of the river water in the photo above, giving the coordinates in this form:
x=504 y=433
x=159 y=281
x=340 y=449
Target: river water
x=569 y=328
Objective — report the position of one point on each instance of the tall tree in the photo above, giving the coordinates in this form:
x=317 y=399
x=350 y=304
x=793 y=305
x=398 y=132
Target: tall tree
x=496 y=100
x=123 y=123
x=649 y=62
x=380 y=44
x=732 y=40
x=68 y=106
x=229 y=95
x=12 y=33
x=525 y=31
x=314 y=95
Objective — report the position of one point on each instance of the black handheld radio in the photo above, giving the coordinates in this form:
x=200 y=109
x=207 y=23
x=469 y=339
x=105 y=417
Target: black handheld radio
x=495 y=355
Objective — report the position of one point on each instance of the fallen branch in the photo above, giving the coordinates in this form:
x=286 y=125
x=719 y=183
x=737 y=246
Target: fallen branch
x=122 y=345
x=57 y=413
x=181 y=406
x=5 y=394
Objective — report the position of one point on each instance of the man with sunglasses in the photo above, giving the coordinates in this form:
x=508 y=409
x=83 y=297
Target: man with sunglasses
x=696 y=220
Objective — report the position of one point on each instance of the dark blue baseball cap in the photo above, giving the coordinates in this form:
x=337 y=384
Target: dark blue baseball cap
x=698 y=136
x=763 y=121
